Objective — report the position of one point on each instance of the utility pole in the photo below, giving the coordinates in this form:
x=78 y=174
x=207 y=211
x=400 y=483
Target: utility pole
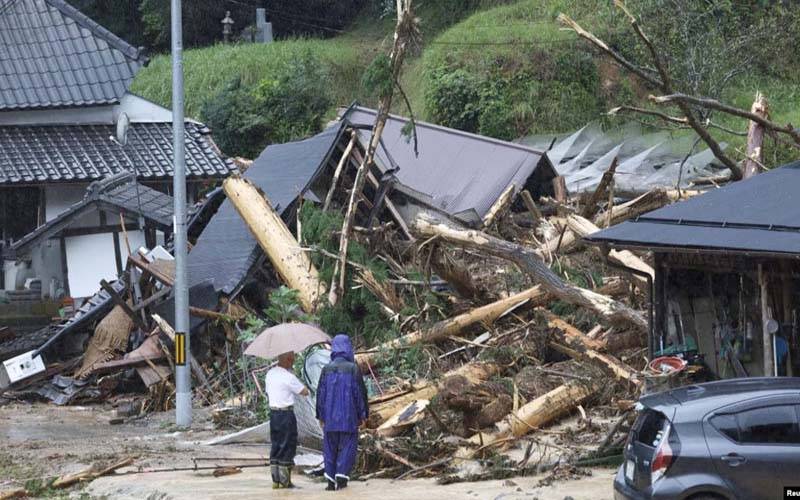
x=183 y=378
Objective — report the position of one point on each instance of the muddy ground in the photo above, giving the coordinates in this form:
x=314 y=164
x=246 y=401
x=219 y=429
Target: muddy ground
x=41 y=441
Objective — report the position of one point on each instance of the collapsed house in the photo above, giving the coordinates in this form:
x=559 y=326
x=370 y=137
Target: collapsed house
x=726 y=274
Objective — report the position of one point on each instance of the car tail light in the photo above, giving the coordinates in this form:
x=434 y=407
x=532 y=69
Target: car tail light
x=662 y=458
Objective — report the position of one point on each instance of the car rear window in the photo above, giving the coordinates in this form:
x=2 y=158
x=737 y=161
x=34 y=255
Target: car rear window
x=650 y=427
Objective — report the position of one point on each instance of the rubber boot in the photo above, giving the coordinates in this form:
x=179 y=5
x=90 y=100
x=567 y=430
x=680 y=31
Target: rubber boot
x=276 y=476
x=341 y=482
x=289 y=483
x=331 y=486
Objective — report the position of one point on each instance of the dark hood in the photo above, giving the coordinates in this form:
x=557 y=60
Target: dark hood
x=342 y=348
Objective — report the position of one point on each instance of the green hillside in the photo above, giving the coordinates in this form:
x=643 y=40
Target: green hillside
x=500 y=68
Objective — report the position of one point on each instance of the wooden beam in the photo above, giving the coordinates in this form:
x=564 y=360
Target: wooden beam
x=123 y=304
x=536 y=214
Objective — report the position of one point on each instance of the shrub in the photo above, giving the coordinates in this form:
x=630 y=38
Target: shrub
x=286 y=107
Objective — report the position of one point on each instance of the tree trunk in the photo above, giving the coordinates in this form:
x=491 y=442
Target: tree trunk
x=501 y=205
x=593 y=203
x=475 y=372
x=647 y=202
x=560 y=192
x=536 y=214
x=755 y=138
x=454 y=325
x=338 y=172
x=292 y=264
x=396 y=56
x=539 y=412
x=530 y=262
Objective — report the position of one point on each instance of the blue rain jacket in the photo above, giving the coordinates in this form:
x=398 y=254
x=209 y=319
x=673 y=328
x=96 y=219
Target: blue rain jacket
x=341 y=394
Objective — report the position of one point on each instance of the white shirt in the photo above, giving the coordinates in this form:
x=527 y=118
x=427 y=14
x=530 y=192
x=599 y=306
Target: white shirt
x=282 y=386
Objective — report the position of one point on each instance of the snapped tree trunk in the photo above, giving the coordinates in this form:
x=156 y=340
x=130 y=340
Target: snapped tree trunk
x=451 y=326
x=755 y=137
x=475 y=373
x=530 y=262
x=541 y=411
x=278 y=243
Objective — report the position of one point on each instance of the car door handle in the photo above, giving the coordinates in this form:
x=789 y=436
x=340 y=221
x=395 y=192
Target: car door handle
x=733 y=459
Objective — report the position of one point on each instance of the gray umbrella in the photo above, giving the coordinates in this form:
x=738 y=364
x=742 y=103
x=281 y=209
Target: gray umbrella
x=286 y=337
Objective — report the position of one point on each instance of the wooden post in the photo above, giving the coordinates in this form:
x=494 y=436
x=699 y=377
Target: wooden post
x=769 y=356
x=282 y=249
x=499 y=206
x=338 y=172
x=536 y=214
x=755 y=137
x=593 y=203
x=560 y=189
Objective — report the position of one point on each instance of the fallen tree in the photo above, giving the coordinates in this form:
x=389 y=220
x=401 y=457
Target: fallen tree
x=530 y=262
x=278 y=243
x=451 y=326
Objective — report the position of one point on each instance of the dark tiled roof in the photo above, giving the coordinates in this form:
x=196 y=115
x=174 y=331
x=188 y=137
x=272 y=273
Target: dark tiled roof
x=119 y=192
x=52 y=55
x=758 y=215
x=30 y=154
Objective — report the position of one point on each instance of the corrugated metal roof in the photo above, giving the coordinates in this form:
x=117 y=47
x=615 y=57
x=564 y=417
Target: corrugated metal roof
x=52 y=55
x=32 y=154
x=459 y=173
x=757 y=215
x=226 y=250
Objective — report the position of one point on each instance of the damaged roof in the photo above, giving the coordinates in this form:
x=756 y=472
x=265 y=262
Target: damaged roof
x=226 y=250
x=759 y=215
x=53 y=153
x=458 y=173
x=121 y=193
x=53 y=56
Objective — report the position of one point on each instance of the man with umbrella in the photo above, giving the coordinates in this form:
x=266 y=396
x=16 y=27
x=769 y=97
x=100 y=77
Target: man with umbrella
x=341 y=408
x=283 y=341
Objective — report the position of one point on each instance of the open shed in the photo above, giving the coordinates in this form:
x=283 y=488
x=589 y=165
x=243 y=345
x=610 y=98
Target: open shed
x=727 y=281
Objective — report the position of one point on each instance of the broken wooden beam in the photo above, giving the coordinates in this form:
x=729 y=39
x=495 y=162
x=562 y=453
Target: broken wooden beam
x=592 y=205
x=646 y=202
x=583 y=228
x=530 y=262
x=404 y=418
x=754 y=156
x=536 y=214
x=451 y=326
x=289 y=260
x=499 y=207
x=89 y=473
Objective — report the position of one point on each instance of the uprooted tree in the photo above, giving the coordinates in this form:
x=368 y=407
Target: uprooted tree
x=680 y=90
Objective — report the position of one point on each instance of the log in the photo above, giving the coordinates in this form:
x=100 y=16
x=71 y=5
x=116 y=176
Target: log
x=501 y=205
x=15 y=493
x=647 y=202
x=536 y=214
x=531 y=263
x=755 y=137
x=403 y=419
x=451 y=326
x=593 y=203
x=539 y=412
x=292 y=264
x=605 y=361
x=571 y=333
x=583 y=228
x=475 y=372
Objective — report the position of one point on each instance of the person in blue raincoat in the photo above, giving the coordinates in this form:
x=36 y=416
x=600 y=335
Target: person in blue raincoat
x=341 y=409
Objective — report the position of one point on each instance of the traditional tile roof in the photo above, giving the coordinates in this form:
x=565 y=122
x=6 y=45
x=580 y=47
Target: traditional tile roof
x=53 y=153
x=53 y=56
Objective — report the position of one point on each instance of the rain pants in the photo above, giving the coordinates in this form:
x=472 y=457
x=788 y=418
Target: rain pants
x=341 y=406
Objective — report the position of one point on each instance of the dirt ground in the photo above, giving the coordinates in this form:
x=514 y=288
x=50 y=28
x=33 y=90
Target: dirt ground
x=39 y=441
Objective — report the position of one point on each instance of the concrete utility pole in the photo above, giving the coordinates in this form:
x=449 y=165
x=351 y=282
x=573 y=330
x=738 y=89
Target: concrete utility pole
x=183 y=377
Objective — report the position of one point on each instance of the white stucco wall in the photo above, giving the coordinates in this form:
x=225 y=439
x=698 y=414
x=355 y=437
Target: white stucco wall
x=90 y=258
x=137 y=108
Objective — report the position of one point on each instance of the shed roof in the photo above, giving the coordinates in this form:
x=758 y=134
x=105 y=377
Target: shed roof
x=226 y=250
x=459 y=173
x=53 y=56
x=120 y=192
x=53 y=153
x=759 y=215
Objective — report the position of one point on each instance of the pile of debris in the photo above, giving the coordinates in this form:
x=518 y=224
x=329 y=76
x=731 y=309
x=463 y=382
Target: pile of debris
x=479 y=316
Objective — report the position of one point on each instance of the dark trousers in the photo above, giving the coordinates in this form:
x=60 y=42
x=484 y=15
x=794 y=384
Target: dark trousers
x=283 y=437
x=340 y=450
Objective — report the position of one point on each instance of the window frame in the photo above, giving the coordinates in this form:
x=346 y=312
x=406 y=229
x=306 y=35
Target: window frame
x=736 y=409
